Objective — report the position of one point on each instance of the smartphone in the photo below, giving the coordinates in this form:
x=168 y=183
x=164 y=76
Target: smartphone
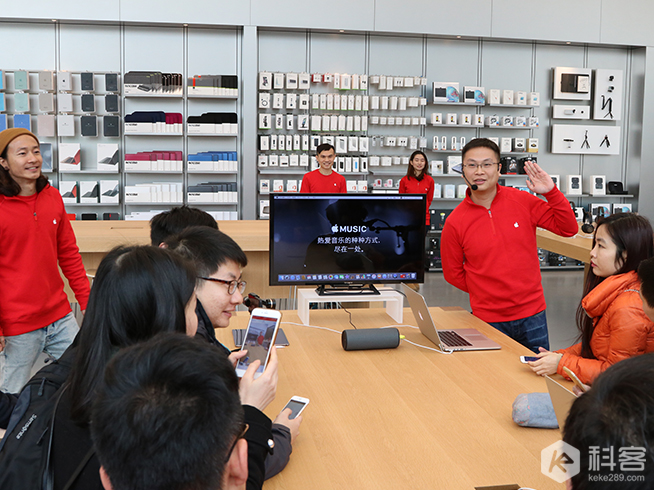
x=526 y=359
x=259 y=338
x=574 y=379
x=296 y=404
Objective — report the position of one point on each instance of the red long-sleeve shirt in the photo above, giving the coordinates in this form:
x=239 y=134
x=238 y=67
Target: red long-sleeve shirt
x=491 y=253
x=35 y=236
x=411 y=185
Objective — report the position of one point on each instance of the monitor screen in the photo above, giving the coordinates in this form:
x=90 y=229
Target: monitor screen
x=347 y=239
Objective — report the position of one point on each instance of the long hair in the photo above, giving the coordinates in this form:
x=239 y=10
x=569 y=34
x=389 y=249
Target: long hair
x=137 y=293
x=634 y=241
x=9 y=187
x=411 y=171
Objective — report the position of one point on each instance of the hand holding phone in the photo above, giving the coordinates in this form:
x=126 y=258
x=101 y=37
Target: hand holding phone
x=261 y=391
x=259 y=338
x=526 y=359
x=584 y=388
x=297 y=404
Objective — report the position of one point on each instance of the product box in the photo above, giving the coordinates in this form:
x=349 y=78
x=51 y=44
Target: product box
x=450 y=189
x=109 y=191
x=444 y=92
x=507 y=97
x=492 y=121
x=573 y=185
x=438 y=190
x=89 y=192
x=505 y=146
x=532 y=122
x=597 y=185
x=453 y=164
x=108 y=157
x=474 y=95
x=533 y=98
x=557 y=181
x=264 y=208
x=436 y=167
x=494 y=96
x=520 y=121
x=519 y=144
x=69 y=191
x=461 y=191
x=70 y=157
x=532 y=145
x=507 y=121
x=478 y=120
x=520 y=98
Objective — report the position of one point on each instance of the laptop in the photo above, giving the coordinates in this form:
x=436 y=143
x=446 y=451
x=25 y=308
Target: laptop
x=562 y=400
x=447 y=339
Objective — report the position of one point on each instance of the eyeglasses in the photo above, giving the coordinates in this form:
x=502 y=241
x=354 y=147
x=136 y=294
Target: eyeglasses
x=241 y=435
x=475 y=166
x=231 y=285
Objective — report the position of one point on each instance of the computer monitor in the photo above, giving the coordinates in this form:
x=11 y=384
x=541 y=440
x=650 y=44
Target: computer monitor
x=346 y=241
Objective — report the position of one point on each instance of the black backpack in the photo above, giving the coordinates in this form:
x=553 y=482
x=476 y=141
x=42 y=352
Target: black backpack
x=25 y=448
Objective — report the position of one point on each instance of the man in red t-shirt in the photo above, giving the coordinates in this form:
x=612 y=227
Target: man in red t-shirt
x=324 y=179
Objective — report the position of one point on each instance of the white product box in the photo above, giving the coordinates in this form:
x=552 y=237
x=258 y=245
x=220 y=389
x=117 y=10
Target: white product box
x=505 y=145
x=70 y=157
x=89 y=192
x=520 y=98
x=533 y=98
x=450 y=190
x=507 y=97
x=436 y=167
x=597 y=185
x=519 y=144
x=108 y=157
x=109 y=191
x=494 y=96
x=461 y=191
x=69 y=191
x=573 y=185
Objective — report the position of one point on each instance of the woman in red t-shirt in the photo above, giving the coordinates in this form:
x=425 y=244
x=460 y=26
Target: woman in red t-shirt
x=417 y=180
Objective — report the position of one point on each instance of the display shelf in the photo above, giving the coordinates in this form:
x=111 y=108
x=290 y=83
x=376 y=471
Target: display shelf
x=71 y=172
x=155 y=172
x=94 y=204
x=447 y=199
x=456 y=126
x=478 y=104
x=600 y=197
x=269 y=171
x=212 y=172
x=507 y=127
x=226 y=97
x=388 y=171
x=193 y=135
x=513 y=106
x=154 y=96
x=153 y=134
x=150 y=203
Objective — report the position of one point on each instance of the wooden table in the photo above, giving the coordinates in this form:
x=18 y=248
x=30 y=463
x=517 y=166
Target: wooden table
x=406 y=417
x=96 y=238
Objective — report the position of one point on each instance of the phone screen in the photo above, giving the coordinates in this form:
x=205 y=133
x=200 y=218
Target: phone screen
x=257 y=342
x=295 y=407
x=530 y=359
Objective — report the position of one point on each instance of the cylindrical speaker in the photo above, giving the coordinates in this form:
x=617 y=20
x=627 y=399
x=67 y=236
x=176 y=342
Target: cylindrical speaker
x=370 y=338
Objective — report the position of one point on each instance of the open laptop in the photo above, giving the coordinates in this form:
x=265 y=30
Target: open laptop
x=562 y=400
x=447 y=339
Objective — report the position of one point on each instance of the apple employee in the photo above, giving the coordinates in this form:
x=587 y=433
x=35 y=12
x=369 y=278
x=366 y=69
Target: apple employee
x=488 y=245
x=324 y=179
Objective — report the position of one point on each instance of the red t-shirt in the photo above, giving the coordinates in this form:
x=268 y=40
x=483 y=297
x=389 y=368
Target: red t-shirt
x=314 y=183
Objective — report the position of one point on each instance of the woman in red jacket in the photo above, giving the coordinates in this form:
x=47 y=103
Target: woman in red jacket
x=417 y=180
x=610 y=317
x=35 y=238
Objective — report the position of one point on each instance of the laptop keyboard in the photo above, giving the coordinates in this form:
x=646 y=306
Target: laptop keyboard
x=452 y=339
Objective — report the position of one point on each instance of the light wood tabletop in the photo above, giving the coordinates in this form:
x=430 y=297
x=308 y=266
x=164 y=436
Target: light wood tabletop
x=577 y=247
x=406 y=417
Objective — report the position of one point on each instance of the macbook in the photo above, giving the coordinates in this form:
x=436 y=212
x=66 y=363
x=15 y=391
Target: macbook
x=562 y=399
x=447 y=339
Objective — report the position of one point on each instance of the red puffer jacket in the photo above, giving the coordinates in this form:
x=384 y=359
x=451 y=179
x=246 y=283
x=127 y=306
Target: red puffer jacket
x=622 y=329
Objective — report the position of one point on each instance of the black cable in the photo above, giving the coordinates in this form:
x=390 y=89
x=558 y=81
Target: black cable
x=346 y=311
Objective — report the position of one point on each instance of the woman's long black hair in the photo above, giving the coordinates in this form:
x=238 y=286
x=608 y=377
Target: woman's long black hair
x=634 y=241
x=137 y=293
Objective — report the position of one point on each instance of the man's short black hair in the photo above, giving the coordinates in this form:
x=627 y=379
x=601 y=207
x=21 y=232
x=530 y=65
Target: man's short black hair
x=208 y=249
x=172 y=222
x=481 y=143
x=646 y=276
x=324 y=147
x=616 y=413
x=167 y=415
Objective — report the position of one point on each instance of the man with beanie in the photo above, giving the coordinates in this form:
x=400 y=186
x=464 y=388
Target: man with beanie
x=35 y=238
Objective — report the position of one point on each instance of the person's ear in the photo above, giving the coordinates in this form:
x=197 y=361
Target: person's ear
x=104 y=478
x=4 y=164
x=236 y=469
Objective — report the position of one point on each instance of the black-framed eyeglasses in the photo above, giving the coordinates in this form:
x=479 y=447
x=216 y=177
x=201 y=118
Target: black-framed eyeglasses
x=240 y=436
x=475 y=166
x=231 y=285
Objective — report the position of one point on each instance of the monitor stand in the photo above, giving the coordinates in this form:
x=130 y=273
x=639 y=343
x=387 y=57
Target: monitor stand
x=393 y=299
x=353 y=289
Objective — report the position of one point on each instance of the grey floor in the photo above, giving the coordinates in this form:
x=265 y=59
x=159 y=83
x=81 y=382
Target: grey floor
x=562 y=293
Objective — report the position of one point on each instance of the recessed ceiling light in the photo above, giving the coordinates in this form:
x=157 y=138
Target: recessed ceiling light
x=54 y=20
x=567 y=42
x=458 y=37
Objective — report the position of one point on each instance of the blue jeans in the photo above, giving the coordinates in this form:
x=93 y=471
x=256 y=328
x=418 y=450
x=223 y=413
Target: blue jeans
x=22 y=351
x=530 y=332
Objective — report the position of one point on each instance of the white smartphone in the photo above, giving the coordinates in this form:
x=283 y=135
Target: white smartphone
x=296 y=404
x=526 y=359
x=259 y=338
